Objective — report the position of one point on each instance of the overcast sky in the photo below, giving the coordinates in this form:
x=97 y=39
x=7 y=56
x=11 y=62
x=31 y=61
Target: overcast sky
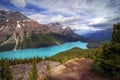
x=78 y=14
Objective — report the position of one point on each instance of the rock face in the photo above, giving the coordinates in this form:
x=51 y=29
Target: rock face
x=19 y=32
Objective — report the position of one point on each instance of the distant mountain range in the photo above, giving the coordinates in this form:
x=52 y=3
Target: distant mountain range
x=95 y=39
x=102 y=35
x=20 y=32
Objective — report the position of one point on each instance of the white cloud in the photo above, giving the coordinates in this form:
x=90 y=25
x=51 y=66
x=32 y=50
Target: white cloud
x=84 y=27
x=97 y=21
x=51 y=19
x=18 y=3
x=64 y=20
x=58 y=18
x=72 y=22
x=77 y=14
x=43 y=19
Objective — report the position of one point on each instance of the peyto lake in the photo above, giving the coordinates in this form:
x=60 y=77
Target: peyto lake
x=42 y=52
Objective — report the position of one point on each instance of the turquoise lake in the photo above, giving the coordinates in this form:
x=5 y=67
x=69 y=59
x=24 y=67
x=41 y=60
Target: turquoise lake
x=42 y=52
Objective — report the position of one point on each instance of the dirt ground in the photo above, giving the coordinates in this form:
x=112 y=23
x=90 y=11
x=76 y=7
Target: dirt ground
x=22 y=70
x=75 y=69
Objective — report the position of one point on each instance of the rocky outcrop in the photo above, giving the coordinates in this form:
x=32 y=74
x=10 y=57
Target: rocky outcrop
x=19 y=32
x=75 y=69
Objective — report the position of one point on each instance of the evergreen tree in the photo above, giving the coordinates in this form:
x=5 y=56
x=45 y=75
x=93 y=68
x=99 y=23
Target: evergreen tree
x=5 y=70
x=48 y=68
x=33 y=75
x=109 y=60
x=116 y=33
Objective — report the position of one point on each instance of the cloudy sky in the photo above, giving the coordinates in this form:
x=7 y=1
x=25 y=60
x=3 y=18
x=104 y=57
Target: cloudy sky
x=78 y=14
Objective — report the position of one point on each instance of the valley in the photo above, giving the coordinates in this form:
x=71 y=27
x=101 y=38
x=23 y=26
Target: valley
x=59 y=40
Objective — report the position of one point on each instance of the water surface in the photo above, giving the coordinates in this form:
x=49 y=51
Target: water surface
x=42 y=52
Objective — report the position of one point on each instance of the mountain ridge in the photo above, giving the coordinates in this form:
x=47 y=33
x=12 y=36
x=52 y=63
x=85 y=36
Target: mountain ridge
x=20 y=32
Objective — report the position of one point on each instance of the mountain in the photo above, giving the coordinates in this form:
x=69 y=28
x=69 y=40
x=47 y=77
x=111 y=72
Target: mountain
x=104 y=35
x=95 y=39
x=99 y=36
x=20 y=32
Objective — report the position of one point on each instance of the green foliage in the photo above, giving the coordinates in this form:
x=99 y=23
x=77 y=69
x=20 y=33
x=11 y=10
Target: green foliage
x=30 y=76
x=48 y=68
x=21 y=61
x=116 y=33
x=5 y=72
x=97 y=68
x=44 y=40
x=33 y=75
x=109 y=60
x=8 y=47
x=74 y=53
x=36 y=41
x=64 y=60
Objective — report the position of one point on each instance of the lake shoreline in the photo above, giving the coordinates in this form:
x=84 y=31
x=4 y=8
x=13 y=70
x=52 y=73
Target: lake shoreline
x=42 y=52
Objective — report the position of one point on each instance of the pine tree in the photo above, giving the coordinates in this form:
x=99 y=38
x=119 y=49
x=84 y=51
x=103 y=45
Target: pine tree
x=48 y=68
x=109 y=60
x=116 y=33
x=5 y=70
x=33 y=75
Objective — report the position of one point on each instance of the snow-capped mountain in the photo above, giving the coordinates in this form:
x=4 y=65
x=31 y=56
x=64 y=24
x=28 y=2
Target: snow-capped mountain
x=18 y=31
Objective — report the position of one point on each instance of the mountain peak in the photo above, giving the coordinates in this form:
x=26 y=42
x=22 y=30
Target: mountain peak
x=15 y=28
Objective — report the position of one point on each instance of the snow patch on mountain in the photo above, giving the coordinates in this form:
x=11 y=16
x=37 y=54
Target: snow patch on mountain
x=64 y=27
x=18 y=25
x=7 y=20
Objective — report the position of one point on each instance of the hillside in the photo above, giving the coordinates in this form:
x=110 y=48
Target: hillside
x=74 y=53
x=75 y=69
x=20 y=32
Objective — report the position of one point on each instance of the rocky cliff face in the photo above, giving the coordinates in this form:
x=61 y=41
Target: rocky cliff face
x=18 y=32
x=13 y=27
